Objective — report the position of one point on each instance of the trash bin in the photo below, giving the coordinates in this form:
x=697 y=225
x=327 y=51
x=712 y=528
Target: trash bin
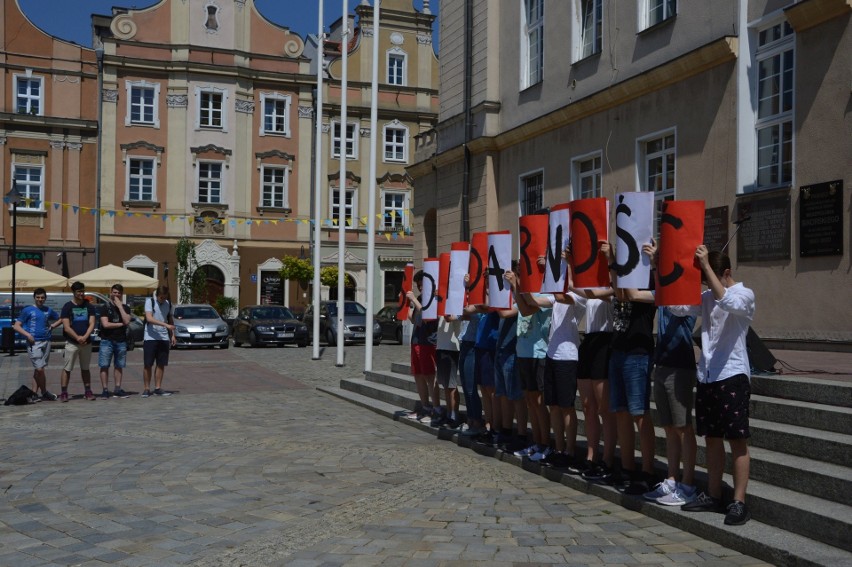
x=8 y=339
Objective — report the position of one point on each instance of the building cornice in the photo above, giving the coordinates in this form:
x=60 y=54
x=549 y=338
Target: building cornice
x=810 y=13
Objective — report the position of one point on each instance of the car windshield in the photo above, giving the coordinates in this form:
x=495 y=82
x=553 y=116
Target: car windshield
x=349 y=308
x=271 y=313
x=195 y=313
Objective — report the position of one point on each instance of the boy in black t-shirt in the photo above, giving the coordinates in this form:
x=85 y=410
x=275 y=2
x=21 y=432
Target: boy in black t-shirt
x=115 y=317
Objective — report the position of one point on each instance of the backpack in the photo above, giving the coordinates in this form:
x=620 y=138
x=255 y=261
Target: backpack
x=20 y=397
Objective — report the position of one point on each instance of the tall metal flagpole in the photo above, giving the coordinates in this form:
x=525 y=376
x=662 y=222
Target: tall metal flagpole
x=341 y=186
x=371 y=214
x=318 y=184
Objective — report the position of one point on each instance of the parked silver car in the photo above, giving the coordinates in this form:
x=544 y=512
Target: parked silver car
x=198 y=325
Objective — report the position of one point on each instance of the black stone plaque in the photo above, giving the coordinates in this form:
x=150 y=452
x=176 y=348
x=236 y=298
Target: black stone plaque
x=766 y=235
x=271 y=289
x=821 y=219
x=716 y=227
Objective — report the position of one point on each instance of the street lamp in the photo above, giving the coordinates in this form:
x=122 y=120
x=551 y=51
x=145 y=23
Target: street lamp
x=14 y=197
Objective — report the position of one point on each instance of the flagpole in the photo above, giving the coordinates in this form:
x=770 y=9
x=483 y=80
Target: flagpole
x=341 y=186
x=371 y=215
x=318 y=185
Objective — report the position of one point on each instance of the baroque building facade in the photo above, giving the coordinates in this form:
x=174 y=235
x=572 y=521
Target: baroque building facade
x=740 y=103
x=48 y=145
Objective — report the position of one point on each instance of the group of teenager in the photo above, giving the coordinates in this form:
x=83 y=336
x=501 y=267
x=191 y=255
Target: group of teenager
x=521 y=369
x=78 y=319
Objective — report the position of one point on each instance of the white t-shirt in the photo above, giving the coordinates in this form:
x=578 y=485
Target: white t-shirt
x=598 y=315
x=564 y=333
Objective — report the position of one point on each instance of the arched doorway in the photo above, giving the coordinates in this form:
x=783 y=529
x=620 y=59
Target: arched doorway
x=211 y=284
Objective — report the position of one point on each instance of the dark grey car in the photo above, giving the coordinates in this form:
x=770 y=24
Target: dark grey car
x=391 y=325
x=354 y=322
x=260 y=325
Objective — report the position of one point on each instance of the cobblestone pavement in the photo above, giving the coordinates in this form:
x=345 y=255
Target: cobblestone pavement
x=248 y=465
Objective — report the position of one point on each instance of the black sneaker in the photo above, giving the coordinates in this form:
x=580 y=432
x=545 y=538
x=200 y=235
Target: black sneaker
x=146 y=393
x=737 y=515
x=558 y=460
x=104 y=395
x=452 y=424
x=640 y=483
x=48 y=397
x=703 y=503
x=579 y=466
x=598 y=473
x=161 y=392
x=120 y=393
x=438 y=421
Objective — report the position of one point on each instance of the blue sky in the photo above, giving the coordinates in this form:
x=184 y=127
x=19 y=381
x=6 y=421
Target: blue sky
x=71 y=19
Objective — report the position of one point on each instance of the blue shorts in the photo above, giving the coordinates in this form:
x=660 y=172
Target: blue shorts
x=507 y=379
x=484 y=367
x=630 y=382
x=112 y=349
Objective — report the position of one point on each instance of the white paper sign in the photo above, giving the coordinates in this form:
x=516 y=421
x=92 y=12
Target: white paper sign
x=557 y=239
x=429 y=297
x=634 y=227
x=499 y=262
x=459 y=260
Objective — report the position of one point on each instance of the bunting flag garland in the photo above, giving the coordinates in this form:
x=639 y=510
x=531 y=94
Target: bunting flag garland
x=390 y=218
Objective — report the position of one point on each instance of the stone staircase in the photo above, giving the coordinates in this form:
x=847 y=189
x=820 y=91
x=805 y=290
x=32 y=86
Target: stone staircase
x=800 y=489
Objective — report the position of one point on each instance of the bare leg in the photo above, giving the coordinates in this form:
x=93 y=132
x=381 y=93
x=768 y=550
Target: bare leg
x=487 y=395
x=521 y=417
x=158 y=377
x=715 y=465
x=105 y=378
x=421 y=382
x=557 y=423
x=601 y=388
x=742 y=463
x=570 y=430
x=40 y=380
x=646 y=441
x=87 y=379
x=64 y=378
x=673 y=451
x=626 y=439
x=688 y=451
x=146 y=377
x=590 y=410
x=119 y=374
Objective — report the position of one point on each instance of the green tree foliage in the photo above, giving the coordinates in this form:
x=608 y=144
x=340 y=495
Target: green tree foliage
x=225 y=306
x=328 y=277
x=299 y=269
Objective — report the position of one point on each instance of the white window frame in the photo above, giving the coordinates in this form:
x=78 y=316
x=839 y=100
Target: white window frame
x=199 y=179
x=395 y=146
x=199 y=91
x=394 y=53
x=129 y=176
x=129 y=86
x=335 y=139
x=29 y=77
x=646 y=8
x=595 y=173
x=398 y=222
x=287 y=99
x=579 y=28
x=522 y=190
x=532 y=44
x=284 y=186
x=668 y=154
x=352 y=209
x=783 y=118
x=25 y=187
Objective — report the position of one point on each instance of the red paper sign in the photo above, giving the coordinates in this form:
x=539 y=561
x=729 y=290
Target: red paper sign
x=478 y=264
x=589 y=225
x=532 y=232
x=443 y=281
x=407 y=281
x=678 y=273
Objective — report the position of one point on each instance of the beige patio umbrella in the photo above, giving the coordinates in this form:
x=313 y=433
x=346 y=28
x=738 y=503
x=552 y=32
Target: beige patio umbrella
x=29 y=277
x=106 y=276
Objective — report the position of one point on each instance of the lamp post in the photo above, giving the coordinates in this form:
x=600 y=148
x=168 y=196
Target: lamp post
x=99 y=53
x=14 y=197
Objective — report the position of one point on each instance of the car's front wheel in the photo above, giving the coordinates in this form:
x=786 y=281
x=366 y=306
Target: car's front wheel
x=253 y=340
x=330 y=338
x=399 y=335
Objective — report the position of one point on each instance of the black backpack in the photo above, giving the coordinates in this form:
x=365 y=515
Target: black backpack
x=20 y=397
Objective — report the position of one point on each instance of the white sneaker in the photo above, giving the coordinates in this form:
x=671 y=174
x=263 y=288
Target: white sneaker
x=682 y=494
x=662 y=489
x=541 y=454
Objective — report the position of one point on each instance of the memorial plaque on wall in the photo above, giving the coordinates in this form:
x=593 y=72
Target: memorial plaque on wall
x=716 y=227
x=271 y=289
x=766 y=235
x=821 y=219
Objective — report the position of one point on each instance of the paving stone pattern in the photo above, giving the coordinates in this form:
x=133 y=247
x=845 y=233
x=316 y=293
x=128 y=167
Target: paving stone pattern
x=248 y=465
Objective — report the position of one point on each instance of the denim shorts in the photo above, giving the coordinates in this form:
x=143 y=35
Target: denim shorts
x=629 y=382
x=507 y=380
x=112 y=349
